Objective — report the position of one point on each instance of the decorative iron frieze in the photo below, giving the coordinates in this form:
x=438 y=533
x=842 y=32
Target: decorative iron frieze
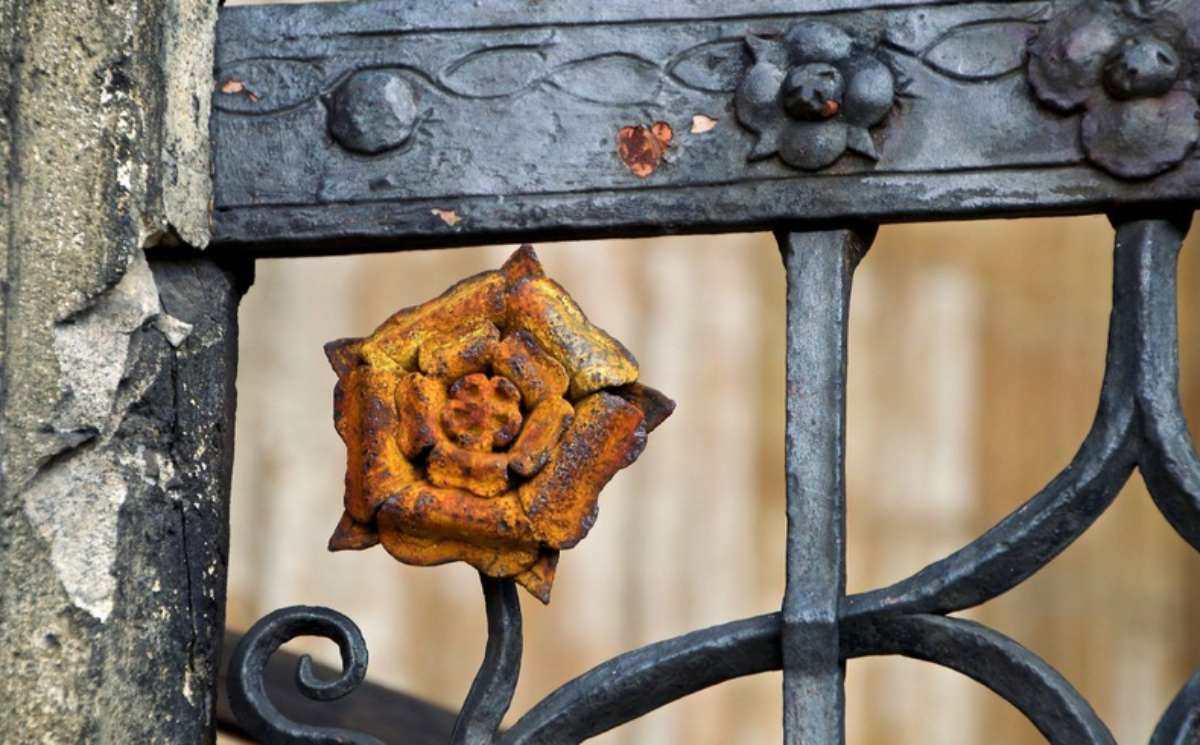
x=813 y=95
x=376 y=120
x=1131 y=67
x=481 y=426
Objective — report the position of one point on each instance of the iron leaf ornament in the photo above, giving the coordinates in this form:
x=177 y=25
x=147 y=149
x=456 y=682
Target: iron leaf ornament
x=1132 y=67
x=812 y=95
x=482 y=425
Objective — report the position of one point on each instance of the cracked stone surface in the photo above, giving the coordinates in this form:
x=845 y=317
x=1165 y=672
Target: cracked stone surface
x=117 y=345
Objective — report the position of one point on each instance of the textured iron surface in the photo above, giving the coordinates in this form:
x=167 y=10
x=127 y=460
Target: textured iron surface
x=1138 y=424
x=536 y=120
x=819 y=268
x=357 y=126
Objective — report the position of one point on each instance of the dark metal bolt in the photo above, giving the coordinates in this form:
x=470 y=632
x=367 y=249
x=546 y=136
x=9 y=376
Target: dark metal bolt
x=1142 y=67
x=813 y=92
x=372 y=112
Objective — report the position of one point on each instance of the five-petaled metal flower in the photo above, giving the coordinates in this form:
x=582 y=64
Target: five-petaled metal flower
x=482 y=425
x=1132 y=67
x=813 y=95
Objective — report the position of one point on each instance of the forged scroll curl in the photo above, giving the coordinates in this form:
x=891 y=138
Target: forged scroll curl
x=247 y=691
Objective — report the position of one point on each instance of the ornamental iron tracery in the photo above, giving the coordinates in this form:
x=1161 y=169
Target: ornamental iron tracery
x=303 y=166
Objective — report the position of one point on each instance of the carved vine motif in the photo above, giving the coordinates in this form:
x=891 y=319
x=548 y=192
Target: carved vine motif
x=482 y=425
x=1131 y=68
x=269 y=86
x=813 y=96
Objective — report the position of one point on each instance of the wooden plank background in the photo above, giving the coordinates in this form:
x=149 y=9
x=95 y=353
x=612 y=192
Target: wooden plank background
x=976 y=355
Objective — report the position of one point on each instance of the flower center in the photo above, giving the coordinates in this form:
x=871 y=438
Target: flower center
x=813 y=92
x=1143 y=66
x=482 y=413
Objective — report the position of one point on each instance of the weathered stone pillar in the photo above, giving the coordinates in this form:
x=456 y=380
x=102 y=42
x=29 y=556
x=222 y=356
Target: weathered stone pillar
x=118 y=354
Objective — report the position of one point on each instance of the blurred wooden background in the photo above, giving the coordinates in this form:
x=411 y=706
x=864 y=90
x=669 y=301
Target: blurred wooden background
x=976 y=355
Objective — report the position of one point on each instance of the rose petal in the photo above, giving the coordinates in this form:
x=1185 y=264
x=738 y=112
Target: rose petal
x=419 y=401
x=592 y=358
x=1066 y=57
x=870 y=91
x=491 y=560
x=1142 y=137
x=351 y=535
x=816 y=41
x=535 y=373
x=757 y=100
x=424 y=524
x=767 y=51
x=654 y=404
x=482 y=474
x=523 y=263
x=365 y=417
x=543 y=428
x=343 y=355
x=459 y=352
x=858 y=139
x=561 y=500
x=539 y=578
x=473 y=301
x=813 y=145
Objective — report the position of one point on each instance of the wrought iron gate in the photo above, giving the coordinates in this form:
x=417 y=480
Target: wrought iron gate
x=401 y=124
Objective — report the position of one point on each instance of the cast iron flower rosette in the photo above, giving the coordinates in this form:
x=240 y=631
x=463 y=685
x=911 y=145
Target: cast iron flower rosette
x=812 y=95
x=481 y=426
x=1133 y=69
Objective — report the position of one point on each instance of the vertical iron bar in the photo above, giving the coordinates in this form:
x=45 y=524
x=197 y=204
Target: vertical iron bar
x=819 y=267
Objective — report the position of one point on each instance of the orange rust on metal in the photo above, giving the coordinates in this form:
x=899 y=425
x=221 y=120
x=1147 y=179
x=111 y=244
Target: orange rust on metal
x=482 y=425
x=642 y=148
x=234 y=85
x=450 y=217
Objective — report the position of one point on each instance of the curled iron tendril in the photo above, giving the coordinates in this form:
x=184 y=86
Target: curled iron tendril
x=489 y=699
x=1139 y=423
x=247 y=692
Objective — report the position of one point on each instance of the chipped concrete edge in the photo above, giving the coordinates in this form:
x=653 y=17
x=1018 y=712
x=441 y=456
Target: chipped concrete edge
x=188 y=42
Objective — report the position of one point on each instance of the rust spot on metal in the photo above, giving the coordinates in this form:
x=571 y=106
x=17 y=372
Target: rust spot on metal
x=450 y=217
x=642 y=148
x=482 y=425
x=234 y=86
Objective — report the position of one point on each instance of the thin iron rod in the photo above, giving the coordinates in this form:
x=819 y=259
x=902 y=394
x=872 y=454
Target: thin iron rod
x=819 y=267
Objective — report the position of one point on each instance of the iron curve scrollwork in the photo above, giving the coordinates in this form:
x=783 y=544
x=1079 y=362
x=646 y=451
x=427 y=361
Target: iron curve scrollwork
x=1088 y=104
x=1139 y=423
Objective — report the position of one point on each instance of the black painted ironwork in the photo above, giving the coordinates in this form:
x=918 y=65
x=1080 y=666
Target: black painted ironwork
x=1139 y=424
x=304 y=166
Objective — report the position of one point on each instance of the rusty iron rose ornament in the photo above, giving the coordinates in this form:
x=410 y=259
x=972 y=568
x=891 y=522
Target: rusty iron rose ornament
x=481 y=426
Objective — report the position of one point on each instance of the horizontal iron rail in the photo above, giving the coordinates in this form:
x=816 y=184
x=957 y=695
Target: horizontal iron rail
x=398 y=124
